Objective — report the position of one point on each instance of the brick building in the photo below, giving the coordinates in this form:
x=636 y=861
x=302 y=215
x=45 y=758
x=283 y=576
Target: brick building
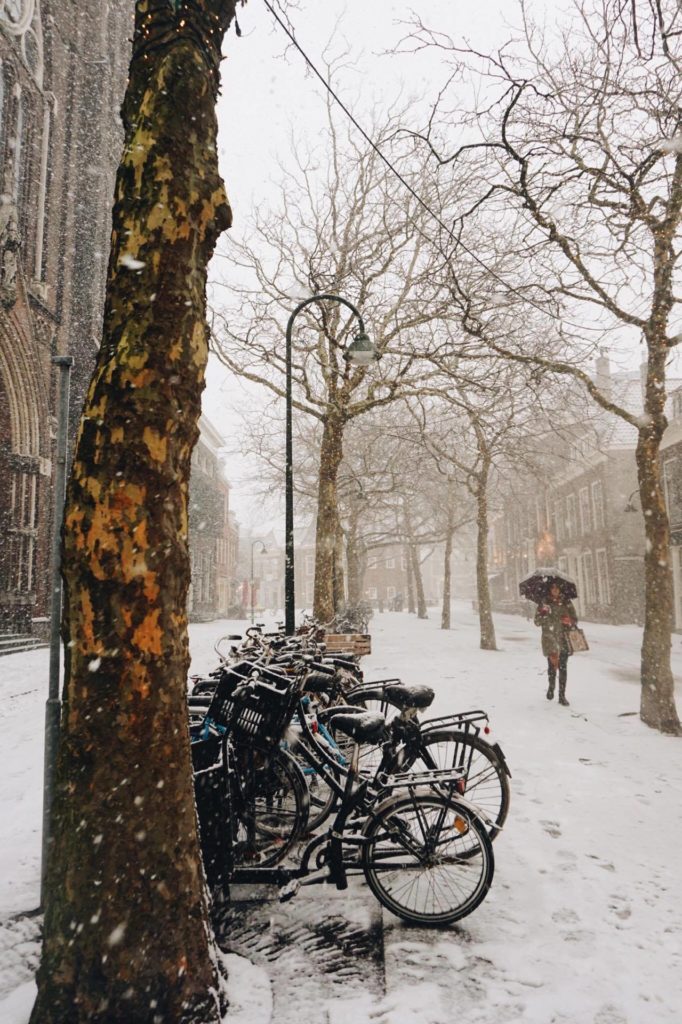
x=585 y=519
x=213 y=532
x=63 y=69
x=671 y=462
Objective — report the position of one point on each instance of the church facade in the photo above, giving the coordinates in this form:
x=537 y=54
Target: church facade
x=63 y=66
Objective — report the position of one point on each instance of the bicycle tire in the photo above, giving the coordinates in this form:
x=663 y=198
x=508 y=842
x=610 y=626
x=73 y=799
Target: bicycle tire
x=427 y=858
x=486 y=779
x=280 y=806
x=323 y=799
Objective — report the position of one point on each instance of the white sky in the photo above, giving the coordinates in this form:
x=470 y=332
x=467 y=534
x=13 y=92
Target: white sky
x=267 y=90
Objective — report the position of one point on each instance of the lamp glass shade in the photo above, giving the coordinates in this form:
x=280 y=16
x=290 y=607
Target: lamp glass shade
x=361 y=351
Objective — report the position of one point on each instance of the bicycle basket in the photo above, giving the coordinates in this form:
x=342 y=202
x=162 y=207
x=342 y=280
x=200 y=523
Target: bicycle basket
x=261 y=716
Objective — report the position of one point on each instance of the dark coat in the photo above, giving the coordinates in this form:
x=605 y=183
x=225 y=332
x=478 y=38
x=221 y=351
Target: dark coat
x=553 y=630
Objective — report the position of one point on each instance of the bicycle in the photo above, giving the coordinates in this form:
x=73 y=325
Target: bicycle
x=423 y=850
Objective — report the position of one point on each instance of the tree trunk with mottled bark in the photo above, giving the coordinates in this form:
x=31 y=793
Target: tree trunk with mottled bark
x=447 y=573
x=411 y=604
x=331 y=454
x=339 y=573
x=126 y=934
x=355 y=560
x=485 y=615
x=657 y=700
x=422 y=612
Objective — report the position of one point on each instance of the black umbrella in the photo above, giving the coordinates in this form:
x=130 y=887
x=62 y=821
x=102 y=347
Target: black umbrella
x=536 y=586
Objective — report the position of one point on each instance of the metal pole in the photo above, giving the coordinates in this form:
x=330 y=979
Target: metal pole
x=52 y=706
x=252 y=544
x=289 y=581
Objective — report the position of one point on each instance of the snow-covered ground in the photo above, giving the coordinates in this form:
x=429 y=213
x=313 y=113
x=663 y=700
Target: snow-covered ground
x=582 y=924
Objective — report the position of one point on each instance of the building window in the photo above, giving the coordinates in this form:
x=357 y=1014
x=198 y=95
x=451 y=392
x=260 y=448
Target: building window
x=390 y=593
x=17 y=143
x=585 y=519
x=41 y=239
x=603 y=578
x=2 y=110
x=390 y=563
x=672 y=485
x=558 y=520
x=571 y=519
x=371 y=593
x=309 y=565
x=598 y=504
x=403 y=563
x=589 y=580
x=371 y=561
x=309 y=593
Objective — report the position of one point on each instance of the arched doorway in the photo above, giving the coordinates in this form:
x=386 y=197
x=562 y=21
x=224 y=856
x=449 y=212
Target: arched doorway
x=23 y=437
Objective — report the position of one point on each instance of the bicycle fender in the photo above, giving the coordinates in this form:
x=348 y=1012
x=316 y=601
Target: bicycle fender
x=500 y=753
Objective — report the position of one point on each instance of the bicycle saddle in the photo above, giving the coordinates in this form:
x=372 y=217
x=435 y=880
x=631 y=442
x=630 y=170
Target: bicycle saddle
x=365 y=726
x=319 y=682
x=409 y=695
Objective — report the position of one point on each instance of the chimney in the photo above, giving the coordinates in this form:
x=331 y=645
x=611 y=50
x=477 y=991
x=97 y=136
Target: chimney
x=602 y=377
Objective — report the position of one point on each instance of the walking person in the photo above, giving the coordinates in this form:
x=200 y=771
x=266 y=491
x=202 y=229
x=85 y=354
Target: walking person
x=556 y=616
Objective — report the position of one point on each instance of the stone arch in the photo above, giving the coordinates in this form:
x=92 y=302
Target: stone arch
x=24 y=23
x=24 y=467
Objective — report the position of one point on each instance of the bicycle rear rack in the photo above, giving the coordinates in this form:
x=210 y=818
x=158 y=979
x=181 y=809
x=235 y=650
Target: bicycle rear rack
x=467 y=721
x=402 y=780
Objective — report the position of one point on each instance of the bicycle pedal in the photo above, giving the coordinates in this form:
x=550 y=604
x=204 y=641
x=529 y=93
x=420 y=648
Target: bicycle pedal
x=288 y=891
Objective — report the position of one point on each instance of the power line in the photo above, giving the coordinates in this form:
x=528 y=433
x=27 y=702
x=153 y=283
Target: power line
x=396 y=172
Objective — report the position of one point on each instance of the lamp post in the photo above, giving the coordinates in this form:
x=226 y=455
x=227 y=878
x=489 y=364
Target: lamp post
x=263 y=551
x=629 y=507
x=361 y=352
x=53 y=704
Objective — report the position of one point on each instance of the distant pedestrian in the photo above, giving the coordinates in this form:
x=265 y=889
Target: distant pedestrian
x=556 y=616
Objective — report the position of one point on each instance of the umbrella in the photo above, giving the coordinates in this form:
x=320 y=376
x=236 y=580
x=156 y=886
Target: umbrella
x=536 y=586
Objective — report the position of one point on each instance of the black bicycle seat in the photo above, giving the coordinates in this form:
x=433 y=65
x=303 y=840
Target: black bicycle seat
x=365 y=727
x=319 y=682
x=409 y=695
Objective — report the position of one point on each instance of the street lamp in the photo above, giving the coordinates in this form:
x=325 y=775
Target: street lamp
x=360 y=352
x=629 y=507
x=263 y=552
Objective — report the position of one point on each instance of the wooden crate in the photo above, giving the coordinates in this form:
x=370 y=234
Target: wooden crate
x=353 y=643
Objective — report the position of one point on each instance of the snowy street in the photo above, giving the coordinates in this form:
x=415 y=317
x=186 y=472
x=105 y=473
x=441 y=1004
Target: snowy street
x=582 y=923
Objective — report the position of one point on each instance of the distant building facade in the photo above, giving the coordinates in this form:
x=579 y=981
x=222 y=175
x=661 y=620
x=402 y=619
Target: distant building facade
x=63 y=70
x=213 y=532
x=385 y=579
x=586 y=519
x=671 y=464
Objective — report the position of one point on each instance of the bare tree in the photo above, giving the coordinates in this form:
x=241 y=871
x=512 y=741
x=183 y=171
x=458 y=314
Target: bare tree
x=579 y=132
x=344 y=226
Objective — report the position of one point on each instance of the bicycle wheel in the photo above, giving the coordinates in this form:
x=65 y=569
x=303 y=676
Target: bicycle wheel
x=266 y=826
x=486 y=780
x=323 y=799
x=427 y=858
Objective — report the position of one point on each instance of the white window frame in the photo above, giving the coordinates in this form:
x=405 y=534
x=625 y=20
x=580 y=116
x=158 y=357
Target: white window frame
x=571 y=516
x=589 y=578
x=585 y=509
x=598 y=517
x=390 y=563
x=603 y=582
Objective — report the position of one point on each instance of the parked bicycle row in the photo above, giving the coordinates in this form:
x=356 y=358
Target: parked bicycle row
x=305 y=772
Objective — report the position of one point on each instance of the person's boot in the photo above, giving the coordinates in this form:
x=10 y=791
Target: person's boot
x=550 y=688
x=562 y=693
